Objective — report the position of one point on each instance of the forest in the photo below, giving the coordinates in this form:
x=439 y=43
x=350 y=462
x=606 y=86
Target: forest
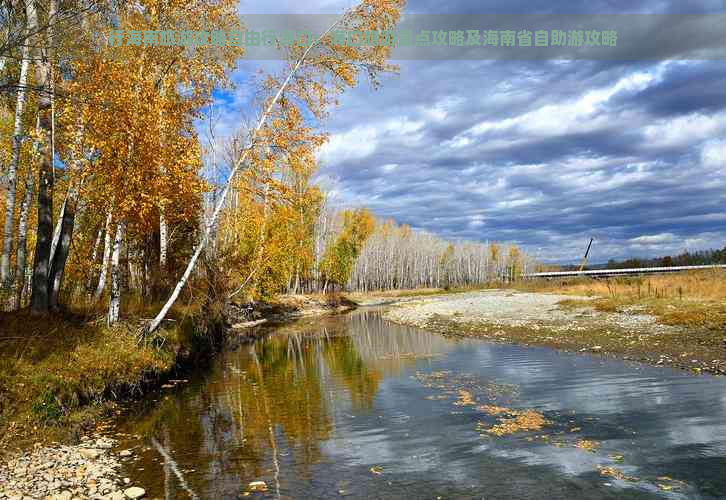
x=113 y=203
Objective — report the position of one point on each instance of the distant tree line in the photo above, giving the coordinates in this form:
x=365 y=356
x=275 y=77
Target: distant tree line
x=700 y=258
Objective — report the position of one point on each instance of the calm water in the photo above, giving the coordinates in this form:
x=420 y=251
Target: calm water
x=356 y=407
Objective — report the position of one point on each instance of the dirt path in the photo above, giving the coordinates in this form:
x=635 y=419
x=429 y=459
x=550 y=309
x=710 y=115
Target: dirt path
x=542 y=319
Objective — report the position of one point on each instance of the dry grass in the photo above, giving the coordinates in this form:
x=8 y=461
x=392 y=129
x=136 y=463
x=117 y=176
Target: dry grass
x=59 y=373
x=696 y=299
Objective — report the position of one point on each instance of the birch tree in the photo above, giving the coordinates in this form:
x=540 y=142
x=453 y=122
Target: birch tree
x=17 y=139
x=314 y=68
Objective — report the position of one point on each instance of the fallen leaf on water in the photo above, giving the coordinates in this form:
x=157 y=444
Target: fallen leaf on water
x=377 y=470
x=528 y=420
x=587 y=445
x=616 y=474
x=257 y=486
x=465 y=398
x=493 y=410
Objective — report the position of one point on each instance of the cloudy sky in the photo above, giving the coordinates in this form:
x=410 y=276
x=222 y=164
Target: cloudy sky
x=542 y=153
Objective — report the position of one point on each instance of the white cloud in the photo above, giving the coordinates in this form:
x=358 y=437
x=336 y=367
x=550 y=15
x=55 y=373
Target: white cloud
x=713 y=154
x=586 y=113
x=684 y=131
x=354 y=144
x=653 y=239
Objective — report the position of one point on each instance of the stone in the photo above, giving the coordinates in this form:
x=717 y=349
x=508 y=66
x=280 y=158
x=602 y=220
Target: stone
x=134 y=492
x=89 y=453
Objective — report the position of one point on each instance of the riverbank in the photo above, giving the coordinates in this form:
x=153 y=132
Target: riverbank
x=567 y=322
x=89 y=469
x=58 y=382
x=60 y=375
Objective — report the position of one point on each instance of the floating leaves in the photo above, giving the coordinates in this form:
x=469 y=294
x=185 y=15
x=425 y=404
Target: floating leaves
x=587 y=445
x=518 y=421
x=667 y=483
x=616 y=474
x=465 y=399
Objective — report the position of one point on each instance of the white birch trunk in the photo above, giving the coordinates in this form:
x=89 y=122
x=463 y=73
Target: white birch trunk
x=104 y=261
x=114 y=302
x=21 y=99
x=163 y=242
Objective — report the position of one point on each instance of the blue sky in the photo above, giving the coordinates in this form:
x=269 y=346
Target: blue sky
x=545 y=154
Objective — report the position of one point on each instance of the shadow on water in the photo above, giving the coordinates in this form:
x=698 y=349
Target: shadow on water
x=339 y=407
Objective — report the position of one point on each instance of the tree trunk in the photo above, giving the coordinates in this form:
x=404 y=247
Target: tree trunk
x=40 y=296
x=62 y=243
x=60 y=255
x=94 y=255
x=114 y=303
x=58 y=227
x=21 y=257
x=22 y=97
x=104 y=262
x=163 y=242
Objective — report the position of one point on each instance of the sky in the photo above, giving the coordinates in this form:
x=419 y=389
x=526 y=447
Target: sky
x=544 y=154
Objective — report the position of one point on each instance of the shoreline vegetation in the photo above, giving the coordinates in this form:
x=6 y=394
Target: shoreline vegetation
x=56 y=383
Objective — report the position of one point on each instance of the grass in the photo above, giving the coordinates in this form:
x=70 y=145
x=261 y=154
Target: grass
x=695 y=300
x=58 y=374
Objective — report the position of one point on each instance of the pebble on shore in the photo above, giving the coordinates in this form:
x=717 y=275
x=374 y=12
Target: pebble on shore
x=88 y=470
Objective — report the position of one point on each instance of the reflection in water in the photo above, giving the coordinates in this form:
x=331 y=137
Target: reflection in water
x=337 y=407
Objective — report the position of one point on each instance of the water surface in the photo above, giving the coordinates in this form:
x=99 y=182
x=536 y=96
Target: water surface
x=353 y=406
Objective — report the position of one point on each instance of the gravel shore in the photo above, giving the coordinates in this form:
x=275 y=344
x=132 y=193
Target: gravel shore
x=88 y=470
x=539 y=319
x=515 y=309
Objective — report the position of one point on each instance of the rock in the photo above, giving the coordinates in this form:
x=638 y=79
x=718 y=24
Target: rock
x=104 y=443
x=134 y=492
x=89 y=453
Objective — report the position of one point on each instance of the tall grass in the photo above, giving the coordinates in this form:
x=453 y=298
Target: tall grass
x=696 y=299
x=709 y=285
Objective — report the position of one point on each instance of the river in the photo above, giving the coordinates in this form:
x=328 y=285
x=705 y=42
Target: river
x=352 y=406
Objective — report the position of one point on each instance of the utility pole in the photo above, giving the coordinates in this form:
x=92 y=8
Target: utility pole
x=587 y=252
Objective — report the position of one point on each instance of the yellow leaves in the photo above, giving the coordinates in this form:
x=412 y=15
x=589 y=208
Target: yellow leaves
x=616 y=474
x=587 y=445
x=520 y=421
x=465 y=398
x=493 y=410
